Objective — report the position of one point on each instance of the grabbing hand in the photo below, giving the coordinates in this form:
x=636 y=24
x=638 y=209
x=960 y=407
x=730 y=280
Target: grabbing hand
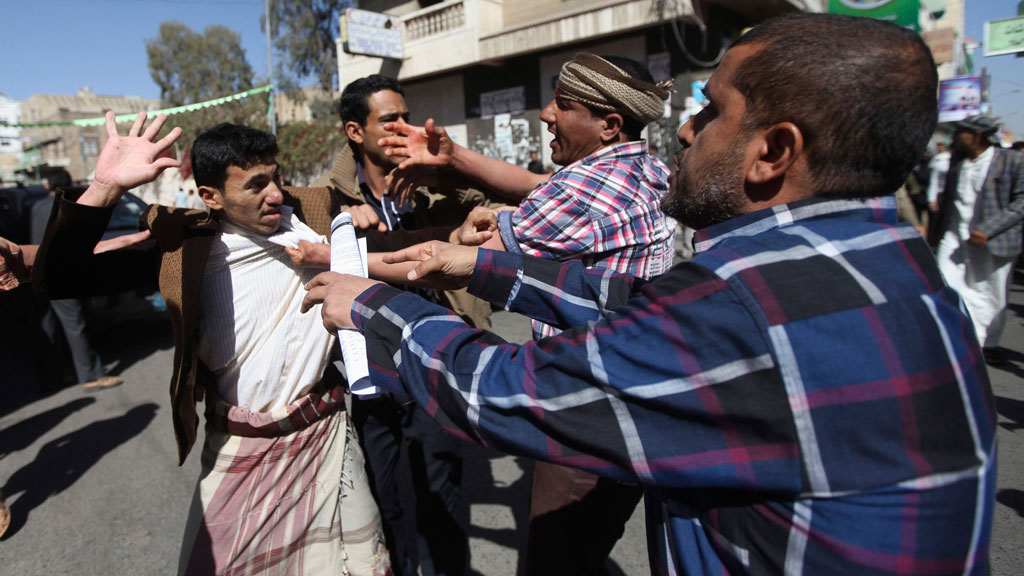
x=403 y=183
x=364 y=217
x=337 y=293
x=425 y=146
x=129 y=161
x=13 y=268
x=310 y=254
x=478 y=227
x=441 y=265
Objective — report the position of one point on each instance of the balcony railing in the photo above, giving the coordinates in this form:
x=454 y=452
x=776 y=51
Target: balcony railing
x=444 y=17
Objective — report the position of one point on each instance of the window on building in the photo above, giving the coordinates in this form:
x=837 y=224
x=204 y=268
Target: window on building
x=91 y=146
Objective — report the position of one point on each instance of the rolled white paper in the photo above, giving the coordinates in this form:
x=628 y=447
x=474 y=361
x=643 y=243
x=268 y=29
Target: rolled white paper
x=348 y=256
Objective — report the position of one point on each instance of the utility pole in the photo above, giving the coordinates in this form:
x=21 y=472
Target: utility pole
x=271 y=116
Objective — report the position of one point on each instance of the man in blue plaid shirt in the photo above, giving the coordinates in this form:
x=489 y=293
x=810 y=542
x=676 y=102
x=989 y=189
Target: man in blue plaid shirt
x=806 y=396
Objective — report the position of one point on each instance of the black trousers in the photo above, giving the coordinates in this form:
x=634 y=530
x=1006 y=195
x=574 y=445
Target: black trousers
x=71 y=316
x=435 y=463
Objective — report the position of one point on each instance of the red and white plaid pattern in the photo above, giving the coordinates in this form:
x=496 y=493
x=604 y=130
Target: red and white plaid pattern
x=604 y=209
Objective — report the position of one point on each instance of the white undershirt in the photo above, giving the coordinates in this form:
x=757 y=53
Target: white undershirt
x=972 y=178
x=263 y=351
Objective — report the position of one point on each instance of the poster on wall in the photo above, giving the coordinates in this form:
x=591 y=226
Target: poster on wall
x=959 y=98
x=503 y=135
x=507 y=101
x=900 y=12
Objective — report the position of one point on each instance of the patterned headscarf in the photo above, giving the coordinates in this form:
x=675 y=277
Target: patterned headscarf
x=601 y=85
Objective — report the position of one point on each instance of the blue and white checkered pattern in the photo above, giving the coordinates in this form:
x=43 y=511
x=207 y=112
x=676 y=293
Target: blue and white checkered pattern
x=805 y=396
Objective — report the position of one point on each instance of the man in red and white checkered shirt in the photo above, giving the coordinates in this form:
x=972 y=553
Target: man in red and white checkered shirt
x=603 y=208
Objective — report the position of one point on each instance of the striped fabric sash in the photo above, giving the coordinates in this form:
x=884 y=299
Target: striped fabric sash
x=300 y=414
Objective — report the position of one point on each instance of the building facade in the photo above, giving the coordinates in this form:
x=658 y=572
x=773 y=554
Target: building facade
x=10 y=137
x=73 y=148
x=485 y=68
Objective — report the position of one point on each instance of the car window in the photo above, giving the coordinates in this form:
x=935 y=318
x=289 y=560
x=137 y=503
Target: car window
x=126 y=214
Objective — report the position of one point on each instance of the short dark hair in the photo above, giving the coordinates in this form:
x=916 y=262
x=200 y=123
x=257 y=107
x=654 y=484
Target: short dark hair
x=58 y=178
x=355 y=106
x=630 y=126
x=229 y=145
x=863 y=93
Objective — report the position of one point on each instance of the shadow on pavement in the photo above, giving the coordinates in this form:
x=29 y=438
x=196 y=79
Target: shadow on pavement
x=1014 y=361
x=1012 y=498
x=22 y=434
x=1012 y=409
x=480 y=487
x=126 y=344
x=62 y=461
x=24 y=381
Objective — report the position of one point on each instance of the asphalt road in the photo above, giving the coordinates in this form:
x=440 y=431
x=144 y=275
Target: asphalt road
x=93 y=485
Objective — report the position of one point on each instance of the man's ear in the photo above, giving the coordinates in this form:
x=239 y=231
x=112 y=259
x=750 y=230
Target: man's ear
x=778 y=149
x=611 y=127
x=211 y=197
x=354 y=131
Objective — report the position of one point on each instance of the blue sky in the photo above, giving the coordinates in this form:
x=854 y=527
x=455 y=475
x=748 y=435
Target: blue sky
x=58 y=46
x=1006 y=91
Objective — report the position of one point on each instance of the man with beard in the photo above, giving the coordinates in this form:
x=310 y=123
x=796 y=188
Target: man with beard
x=805 y=396
x=603 y=208
x=977 y=228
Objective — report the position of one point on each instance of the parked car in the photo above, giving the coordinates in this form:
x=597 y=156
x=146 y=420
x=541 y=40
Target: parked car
x=102 y=312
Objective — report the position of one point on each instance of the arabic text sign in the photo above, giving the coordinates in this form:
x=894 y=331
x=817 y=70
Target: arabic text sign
x=1004 y=36
x=372 y=34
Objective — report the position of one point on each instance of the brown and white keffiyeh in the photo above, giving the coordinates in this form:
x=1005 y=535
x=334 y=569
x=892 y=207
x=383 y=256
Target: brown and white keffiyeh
x=601 y=85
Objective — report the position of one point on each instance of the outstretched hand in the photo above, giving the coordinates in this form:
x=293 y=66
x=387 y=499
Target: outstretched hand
x=129 y=161
x=119 y=242
x=428 y=145
x=441 y=265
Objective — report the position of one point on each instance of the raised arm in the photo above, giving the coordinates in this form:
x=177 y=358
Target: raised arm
x=129 y=161
x=430 y=145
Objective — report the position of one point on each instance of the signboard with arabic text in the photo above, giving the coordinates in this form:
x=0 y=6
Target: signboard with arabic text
x=1004 y=36
x=371 y=34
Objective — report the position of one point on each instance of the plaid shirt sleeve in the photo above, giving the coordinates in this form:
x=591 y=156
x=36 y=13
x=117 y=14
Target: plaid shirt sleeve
x=551 y=223
x=616 y=394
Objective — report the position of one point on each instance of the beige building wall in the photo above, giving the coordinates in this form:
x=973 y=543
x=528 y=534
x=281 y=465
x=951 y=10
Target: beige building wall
x=71 y=147
x=456 y=51
x=288 y=109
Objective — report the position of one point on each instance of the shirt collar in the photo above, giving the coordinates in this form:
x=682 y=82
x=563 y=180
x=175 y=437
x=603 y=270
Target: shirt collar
x=620 y=150
x=878 y=209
